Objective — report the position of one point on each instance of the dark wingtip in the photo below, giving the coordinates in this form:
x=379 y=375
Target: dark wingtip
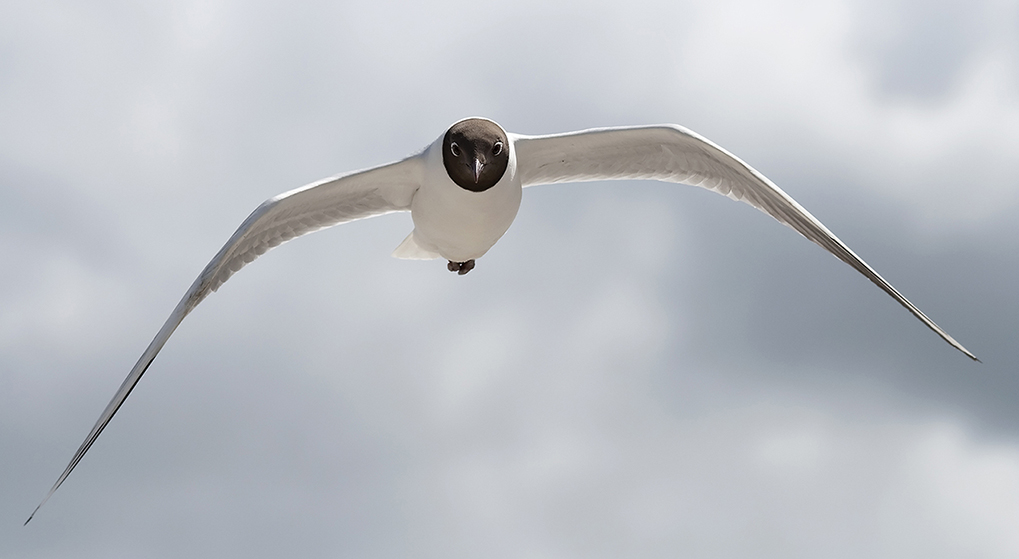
x=965 y=351
x=971 y=356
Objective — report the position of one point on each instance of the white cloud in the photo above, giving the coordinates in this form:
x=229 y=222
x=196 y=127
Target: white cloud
x=954 y=494
x=791 y=70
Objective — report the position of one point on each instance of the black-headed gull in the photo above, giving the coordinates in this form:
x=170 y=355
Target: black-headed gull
x=463 y=192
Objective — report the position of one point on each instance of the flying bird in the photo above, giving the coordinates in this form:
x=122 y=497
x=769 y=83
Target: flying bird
x=463 y=192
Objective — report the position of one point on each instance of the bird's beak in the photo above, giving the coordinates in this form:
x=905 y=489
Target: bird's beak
x=477 y=169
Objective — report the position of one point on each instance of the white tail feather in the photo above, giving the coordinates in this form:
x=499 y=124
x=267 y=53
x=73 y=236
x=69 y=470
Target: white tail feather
x=409 y=249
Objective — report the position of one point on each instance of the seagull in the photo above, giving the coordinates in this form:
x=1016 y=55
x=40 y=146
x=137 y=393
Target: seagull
x=463 y=192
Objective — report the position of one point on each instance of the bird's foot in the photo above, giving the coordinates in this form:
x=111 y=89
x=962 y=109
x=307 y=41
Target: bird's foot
x=460 y=268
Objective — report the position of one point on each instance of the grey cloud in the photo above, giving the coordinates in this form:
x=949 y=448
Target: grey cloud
x=921 y=49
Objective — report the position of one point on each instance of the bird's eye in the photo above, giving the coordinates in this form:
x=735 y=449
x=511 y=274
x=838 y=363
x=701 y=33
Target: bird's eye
x=497 y=148
x=454 y=149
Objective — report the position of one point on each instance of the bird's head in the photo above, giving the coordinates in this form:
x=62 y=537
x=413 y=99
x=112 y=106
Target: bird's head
x=475 y=152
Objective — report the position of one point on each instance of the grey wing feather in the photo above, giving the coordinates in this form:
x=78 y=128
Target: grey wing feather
x=674 y=154
x=322 y=204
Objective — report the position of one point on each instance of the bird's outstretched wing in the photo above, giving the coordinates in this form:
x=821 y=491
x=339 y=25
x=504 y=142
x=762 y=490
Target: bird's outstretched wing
x=322 y=204
x=674 y=154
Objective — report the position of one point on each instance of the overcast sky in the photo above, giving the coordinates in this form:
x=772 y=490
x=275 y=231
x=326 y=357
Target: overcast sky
x=634 y=370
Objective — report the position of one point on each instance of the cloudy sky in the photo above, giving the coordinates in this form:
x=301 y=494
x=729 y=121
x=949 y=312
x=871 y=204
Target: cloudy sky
x=635 y=370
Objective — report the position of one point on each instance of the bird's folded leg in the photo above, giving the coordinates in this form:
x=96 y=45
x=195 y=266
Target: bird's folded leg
x=460 y=268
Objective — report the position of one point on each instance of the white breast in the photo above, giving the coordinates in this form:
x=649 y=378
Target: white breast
x=458 y=224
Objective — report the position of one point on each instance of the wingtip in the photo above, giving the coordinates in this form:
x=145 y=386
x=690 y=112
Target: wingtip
x=31 y=516
x=39 y=506
x=959 y=346
x=968 y=354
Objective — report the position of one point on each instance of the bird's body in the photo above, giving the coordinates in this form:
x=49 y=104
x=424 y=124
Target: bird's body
x=455 y=223
x=463 y=192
